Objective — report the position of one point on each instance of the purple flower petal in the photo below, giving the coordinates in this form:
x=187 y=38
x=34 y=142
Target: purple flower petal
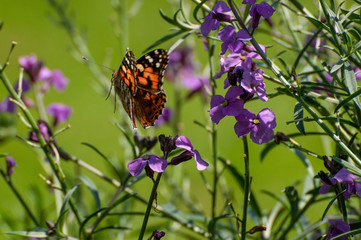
x=243 y=35
x=216 y=113
x=248 y=1
x=184 y=142
x=358 y=187
x=221 y=7
x=60 y=111
x=10 y=164
x=344 y=176
x=217 y=100
x=337 y=227
x=268 y=117
x=226 y=33
x=324 y=188
x=261 y=135
x=200 y=163
x=156 y=163
x=233 y=92
x=208 y=25
x=234 y=108
x=59 y=81
x=7 y=106
x=136 y=166
x=244 y=122
x=265 y=10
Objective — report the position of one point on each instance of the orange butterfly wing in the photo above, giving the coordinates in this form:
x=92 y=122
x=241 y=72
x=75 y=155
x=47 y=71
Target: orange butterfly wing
x=139 y=86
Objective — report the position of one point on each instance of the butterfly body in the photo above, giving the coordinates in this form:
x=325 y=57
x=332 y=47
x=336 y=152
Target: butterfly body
x=138 y=83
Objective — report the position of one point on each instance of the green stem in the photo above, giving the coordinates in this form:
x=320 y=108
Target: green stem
x=246 y=187
x=41 y=140
x=275 y=69
x=214 y=132
x=22 y=201
x=149 y=206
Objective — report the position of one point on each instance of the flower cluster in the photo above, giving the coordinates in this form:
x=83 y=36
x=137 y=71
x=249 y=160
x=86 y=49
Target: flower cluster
x=37 y=73
x=153 y=163
x=351 y=183
x=244 y=79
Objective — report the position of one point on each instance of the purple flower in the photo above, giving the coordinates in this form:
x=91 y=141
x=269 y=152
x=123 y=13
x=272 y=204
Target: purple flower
x=260 y=126
x=357 y=73
x=60 y=112
x=31 y=66
x=10 y=164
x=165 y=118
x=185 y=143
x=7 y=106
x=239 y=73
x=158 y=235
x=52 y=78
x=232 y=41
x=154 y=162
x=196 y=84
x=257 y=10
x=180 y=63
x=351 y=183
x=326 y=181
x=336 y=228
x=255 y=84
x=44 y=131
x=346 y=177
x=237 y=59
x=220 y=13
x=229 y=105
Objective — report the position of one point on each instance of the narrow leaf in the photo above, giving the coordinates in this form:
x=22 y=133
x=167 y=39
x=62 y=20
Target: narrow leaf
x=64 y=208
x=298 y=117
x=93 y=189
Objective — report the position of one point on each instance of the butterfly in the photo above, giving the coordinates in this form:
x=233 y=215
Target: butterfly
x=138 y=83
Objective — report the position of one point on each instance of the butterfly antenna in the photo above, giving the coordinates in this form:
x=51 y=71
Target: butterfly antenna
x=115 y=99
x=84 y=58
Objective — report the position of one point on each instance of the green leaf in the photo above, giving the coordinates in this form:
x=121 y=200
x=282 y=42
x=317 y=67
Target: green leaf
x=348 y=99
x=103 y=156
x=196 y=9
x=164 y=39
x=355 y=170
x=29 y=234
x=93 y=189
x=94 y=214
x=293 y=199
x=298 y=117
x=179 y=41
x=351 y=82
x=240 y=180
x=64 y=208
x=337 y=66
x=166 y=18
x=329 y=205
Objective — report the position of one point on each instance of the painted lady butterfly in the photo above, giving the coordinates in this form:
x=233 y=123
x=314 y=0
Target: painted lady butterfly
x=139 y=86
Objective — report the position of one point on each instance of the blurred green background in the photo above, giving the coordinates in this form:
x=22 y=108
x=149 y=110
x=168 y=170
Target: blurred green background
x=32 y=25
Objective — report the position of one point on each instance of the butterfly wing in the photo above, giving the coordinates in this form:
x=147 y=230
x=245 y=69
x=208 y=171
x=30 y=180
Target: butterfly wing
x=125 y=84
x=150 y=98
x=150 y=70
x=148 y=106
x=139 y=86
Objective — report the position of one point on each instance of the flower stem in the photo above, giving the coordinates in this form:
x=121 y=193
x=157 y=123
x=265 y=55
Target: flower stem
x=211 y=45
x=18 y=195
x=246 y=187
x=149 y=206
x=42 y=142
